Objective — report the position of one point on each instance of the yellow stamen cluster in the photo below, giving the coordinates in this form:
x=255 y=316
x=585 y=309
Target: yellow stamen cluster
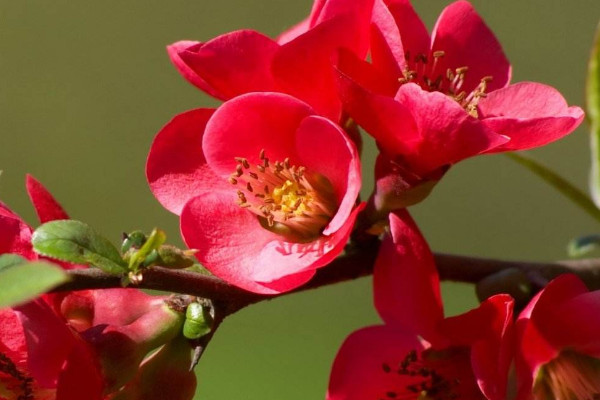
x=570 y=376
x=286 y=199
x=421 y=71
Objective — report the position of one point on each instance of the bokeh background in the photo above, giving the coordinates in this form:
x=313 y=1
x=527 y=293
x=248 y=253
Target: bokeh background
x=84 y=87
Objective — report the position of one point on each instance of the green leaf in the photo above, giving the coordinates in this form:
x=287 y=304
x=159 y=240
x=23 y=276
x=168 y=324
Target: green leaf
x=558 y=182
x=23 y=282
x=581 y=246
x=10 y=260
x=76 y=242
x=154 y=241
x=592 y=98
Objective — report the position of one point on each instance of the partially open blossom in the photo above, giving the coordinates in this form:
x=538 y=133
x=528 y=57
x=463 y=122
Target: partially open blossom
x=419 y=354
x=79 y=345
x=431 y=101
x=41 y=357
x=299 y=62
x=558 y=343
x=265 y=188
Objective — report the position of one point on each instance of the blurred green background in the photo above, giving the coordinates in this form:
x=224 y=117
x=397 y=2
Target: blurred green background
x=84 y=87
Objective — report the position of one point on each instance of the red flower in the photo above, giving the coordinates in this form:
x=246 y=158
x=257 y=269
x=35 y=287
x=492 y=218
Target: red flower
x=431 y=101
x=558 y=347
x=40 y=356
x=299 y=62
x=73 y=346
x=418 y=353
x=265 y=188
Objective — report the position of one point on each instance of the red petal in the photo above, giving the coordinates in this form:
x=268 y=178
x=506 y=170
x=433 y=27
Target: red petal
x=323 y=147
x=243 y=126
x=448 y=133
x=12 y=338
x=389 y=122
x=359 y=369
x=234 y=63
x=49 y=342
x=231 y=243
x=405 y=279
x=80 y=377
x=184 y=69
x=46 y=207
x=293 y=32
x=300 y=257
x=467 y=41
x=531 y=114
x=304 y=66
x=176 y=168
x=492 y=354
x=413 y=32
x=15 y=235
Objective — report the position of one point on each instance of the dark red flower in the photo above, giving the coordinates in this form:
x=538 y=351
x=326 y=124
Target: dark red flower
x=419 y=354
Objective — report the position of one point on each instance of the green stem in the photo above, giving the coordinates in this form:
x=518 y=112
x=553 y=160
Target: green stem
x=573 y=193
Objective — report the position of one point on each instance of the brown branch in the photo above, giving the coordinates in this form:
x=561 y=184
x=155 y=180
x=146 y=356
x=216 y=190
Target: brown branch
x=355 y=263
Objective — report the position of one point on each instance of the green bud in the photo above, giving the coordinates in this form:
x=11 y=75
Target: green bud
x=135 y=239
x=198 y=321
x=171 y=257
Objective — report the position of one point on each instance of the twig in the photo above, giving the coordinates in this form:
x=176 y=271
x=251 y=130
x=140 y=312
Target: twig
x=355 y=263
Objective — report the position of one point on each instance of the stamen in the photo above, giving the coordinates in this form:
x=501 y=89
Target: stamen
x=418 y=382
x=420 y=71
x=290 y=201
x=570 y=376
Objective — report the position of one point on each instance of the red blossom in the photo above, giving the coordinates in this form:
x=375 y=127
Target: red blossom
x=432 y=101
x=299 y=62
x=558 y=343
x=265 y=188
x=418 y=353
x=73 y=346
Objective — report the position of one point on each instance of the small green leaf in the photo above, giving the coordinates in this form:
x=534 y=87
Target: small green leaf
x=581 y=246
x=10 y=260
x=592 y=89
x=557 y=182
x=23 y=282
x=76 y=242
x=154 y=241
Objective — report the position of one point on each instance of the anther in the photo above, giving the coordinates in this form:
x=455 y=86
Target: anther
x=253 y=175
x=232 y=180
x=249 y=187
x=439 y=53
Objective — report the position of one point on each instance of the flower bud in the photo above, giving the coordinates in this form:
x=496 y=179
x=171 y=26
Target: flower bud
x=163 y=375
x=121 y=349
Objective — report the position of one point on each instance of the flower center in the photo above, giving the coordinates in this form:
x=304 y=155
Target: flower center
x=420 y=381
x=14 y=385
x=426 y=72
x=288 y=200
x=570 y=376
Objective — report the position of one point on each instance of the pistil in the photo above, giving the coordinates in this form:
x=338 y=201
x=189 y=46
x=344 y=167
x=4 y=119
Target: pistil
x=287 y=199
